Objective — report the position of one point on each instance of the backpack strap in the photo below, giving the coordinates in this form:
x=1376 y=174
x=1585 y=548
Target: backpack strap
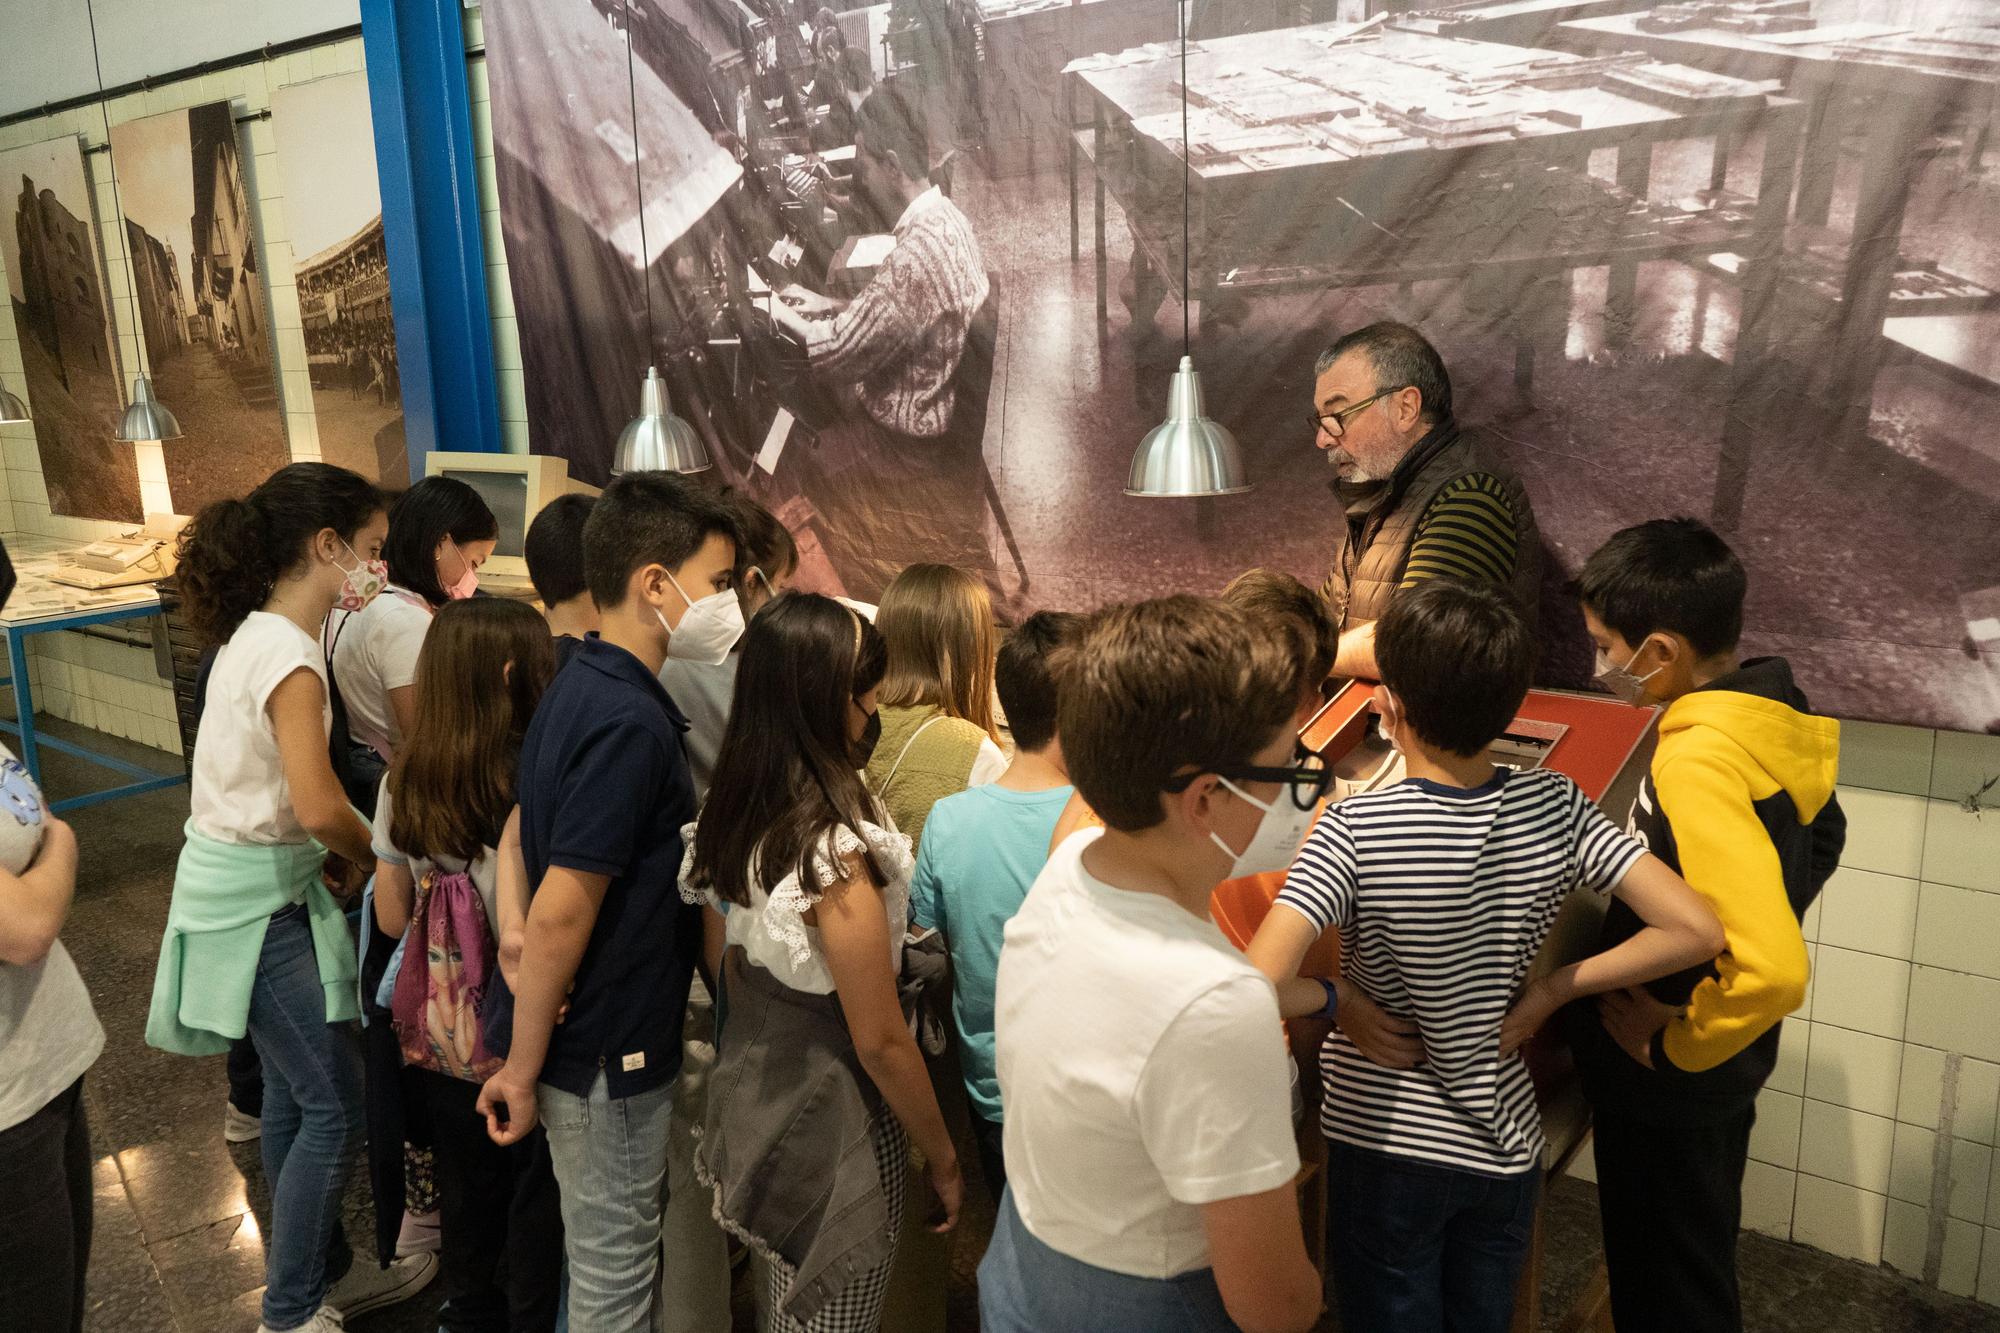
x=904 y=753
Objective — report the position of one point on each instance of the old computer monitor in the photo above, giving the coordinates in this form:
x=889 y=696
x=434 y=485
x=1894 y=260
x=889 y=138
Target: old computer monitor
x=515 y=487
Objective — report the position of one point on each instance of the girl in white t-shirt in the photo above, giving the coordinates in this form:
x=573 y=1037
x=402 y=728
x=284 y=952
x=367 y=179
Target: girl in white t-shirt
x=443 y=810
x=818 y=1076
x=440 y=533
x=254 y=942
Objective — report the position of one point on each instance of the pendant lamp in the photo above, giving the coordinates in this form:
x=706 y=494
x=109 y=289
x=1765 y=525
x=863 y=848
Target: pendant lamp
x=1189 y=454
x=146 y=419
x=656 y=440
x=12 y=409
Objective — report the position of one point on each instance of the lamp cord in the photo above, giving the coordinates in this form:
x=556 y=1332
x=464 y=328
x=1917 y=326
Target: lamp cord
x=639 y=184
x=117 y=207
x=1187 y=194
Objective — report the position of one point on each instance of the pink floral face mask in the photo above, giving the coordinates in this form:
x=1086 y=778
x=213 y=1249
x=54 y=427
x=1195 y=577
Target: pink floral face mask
x=363 y=583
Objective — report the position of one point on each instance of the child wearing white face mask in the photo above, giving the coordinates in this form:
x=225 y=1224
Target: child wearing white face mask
x=766 y=560
x=1443 y=889
x=1739 y=797
x=1142 y=1068
x=695 y=1287
x=604 y=790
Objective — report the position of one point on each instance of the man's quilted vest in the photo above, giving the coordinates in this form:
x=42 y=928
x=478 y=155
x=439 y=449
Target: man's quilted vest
x=1383 y=519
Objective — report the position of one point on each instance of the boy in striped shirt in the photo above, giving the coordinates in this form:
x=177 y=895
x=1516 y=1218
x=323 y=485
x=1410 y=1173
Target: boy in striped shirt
x=1443 y=889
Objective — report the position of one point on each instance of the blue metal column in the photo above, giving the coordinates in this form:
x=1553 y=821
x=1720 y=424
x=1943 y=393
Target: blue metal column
x=430 y=222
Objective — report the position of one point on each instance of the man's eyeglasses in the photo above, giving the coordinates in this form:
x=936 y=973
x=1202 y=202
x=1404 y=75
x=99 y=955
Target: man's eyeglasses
x=1308 y=778
x=1335 y=423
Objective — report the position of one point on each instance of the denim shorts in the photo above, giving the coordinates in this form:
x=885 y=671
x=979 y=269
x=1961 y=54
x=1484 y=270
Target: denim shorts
x=1026 y=1287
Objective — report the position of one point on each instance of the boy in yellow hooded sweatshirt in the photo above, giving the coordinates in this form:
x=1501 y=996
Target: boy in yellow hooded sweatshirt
x=1739 y=800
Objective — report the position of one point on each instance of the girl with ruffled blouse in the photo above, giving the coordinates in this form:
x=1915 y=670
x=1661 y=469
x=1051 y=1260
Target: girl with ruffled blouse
x=819 y=1085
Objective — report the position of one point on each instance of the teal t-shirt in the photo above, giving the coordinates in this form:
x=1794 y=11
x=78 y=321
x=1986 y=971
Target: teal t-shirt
x=981 y=851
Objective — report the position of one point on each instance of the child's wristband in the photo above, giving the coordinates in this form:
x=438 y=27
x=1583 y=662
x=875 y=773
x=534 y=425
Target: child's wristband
x=1332 y=998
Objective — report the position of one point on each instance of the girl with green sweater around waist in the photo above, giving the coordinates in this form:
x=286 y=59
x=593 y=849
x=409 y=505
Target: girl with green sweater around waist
x=254 y=943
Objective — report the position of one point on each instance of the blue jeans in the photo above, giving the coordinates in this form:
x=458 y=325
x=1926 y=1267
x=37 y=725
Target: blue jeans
x=313 y=1122
x=1421 y=1248
x=610 y=1157
x=1026 y=1287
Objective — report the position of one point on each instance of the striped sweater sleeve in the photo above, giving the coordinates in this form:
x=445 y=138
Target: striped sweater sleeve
x=923 y=281
x=1468 y=534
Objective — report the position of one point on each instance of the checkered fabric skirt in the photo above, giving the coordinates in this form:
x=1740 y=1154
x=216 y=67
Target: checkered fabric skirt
x=858 y=1307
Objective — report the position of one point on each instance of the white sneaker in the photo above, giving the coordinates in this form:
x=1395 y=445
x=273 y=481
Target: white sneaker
x=367 y=1287
x=240 y=1126
x=326 y=1319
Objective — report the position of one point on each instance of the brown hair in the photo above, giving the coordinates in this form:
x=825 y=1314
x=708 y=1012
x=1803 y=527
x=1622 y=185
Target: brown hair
x=452 y=783
x=763 y=542
x=938 y=624
x=1153 y=689
x=1301 y=613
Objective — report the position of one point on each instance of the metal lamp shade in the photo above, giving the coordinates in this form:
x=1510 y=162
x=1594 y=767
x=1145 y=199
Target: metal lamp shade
x=147 y=418
x=12 y=409
x=1187 y=454
x=656 y=440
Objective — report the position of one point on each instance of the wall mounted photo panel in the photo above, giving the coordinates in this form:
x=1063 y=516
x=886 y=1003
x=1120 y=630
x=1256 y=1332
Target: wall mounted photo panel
x=333 y=207
x=203 y=308
x=1737 y=260
x=62 y=318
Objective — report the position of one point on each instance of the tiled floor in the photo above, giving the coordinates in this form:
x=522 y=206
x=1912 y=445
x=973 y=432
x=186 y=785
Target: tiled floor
x=180 y=1214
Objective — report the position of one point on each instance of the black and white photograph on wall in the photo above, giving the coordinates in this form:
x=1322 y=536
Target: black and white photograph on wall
x=202 y=303
x=333 y=209
x=56 y=288
x=922 y=276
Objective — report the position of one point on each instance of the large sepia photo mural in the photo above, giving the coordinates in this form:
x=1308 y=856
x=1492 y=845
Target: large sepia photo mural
x=1737 y=259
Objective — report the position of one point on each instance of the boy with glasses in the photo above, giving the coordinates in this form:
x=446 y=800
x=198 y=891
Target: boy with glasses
x=1149 y=1150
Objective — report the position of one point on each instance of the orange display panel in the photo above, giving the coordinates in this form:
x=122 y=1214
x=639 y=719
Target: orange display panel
x=1340 y=723
x=1603 y=736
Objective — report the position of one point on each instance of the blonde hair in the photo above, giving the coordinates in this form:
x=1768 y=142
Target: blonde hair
x=938 y=624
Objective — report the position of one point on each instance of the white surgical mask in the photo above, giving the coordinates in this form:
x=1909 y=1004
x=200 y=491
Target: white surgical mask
x=1276 y=841
x=1620 y=681
x=709 y=628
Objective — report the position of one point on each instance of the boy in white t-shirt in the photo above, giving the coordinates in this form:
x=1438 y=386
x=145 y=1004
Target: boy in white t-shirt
x=1149 y=1141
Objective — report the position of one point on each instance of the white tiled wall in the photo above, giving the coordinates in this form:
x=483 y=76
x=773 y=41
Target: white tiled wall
x=1905 y=943
x=121 y=692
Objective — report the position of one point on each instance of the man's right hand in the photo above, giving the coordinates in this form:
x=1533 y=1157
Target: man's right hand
x=1389 y=1042
x=508 y=1103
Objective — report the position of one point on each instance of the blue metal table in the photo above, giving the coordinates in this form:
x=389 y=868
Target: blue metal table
x=143 y=603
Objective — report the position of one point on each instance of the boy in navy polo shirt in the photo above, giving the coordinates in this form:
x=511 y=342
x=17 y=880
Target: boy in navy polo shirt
x=604 y=791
